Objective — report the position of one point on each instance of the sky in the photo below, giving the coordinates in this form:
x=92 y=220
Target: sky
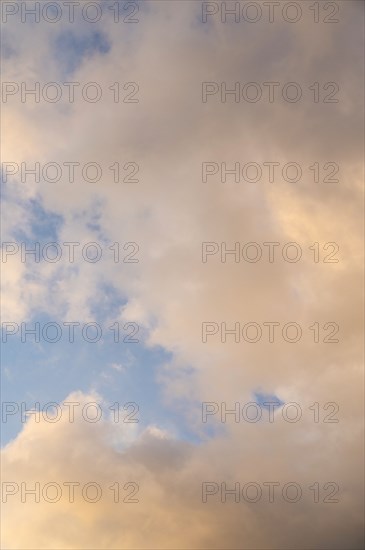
x=182 y=275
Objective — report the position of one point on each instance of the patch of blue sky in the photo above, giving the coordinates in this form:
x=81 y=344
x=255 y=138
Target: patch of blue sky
x=71 y=47
x=39 y=223
x=261 y=398
x=45 y=224
x=121 y=372
x=45 y=371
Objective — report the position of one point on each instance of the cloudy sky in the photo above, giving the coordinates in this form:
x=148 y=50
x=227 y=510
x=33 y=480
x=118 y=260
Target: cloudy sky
x=182 y=261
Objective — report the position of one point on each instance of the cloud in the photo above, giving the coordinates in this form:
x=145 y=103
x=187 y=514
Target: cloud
x=167 y=477
x=170 y=292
